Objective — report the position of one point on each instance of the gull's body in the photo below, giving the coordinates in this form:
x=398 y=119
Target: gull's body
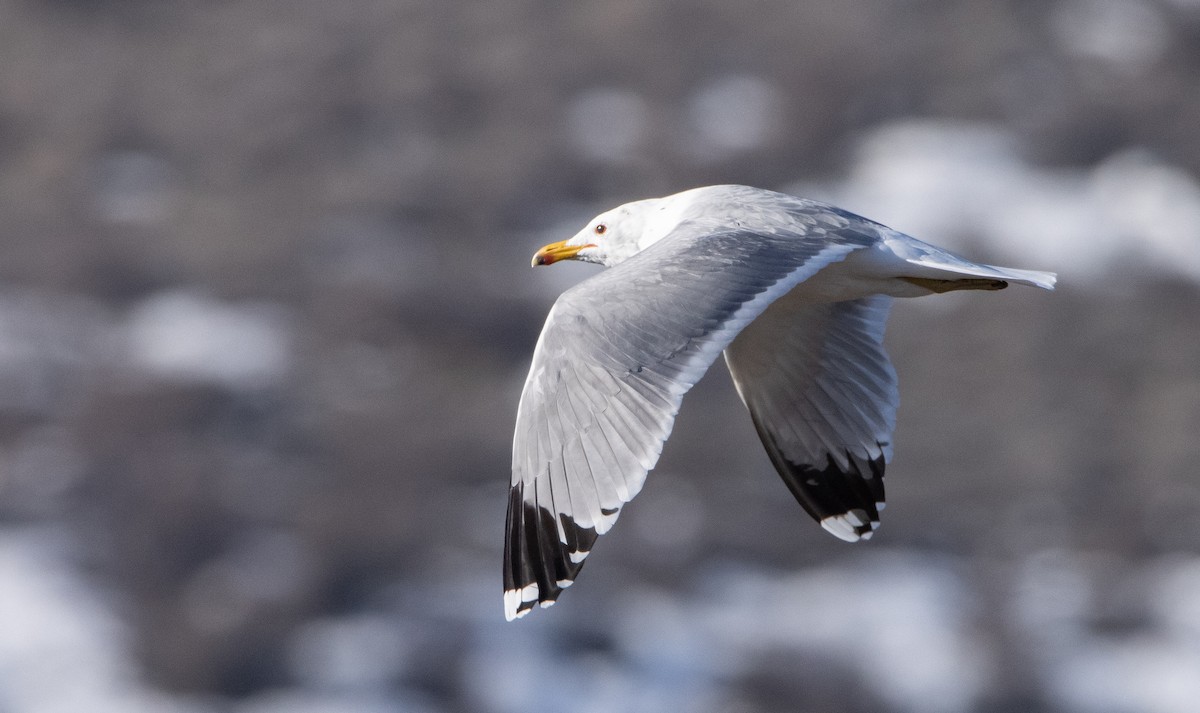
x=794 y=292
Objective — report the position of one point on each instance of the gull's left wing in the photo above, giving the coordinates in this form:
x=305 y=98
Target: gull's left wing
x=614 y=360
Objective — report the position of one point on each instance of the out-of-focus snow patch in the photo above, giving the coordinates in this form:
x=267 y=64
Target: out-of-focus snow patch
x=186 y=336
x=1125 y=33
x=299 y=701
x=1145 y=674
x=559 y=678
x=56 y=641
x=1052 y=598
x=1153 y=205
x=899 y=620
x=608 y=124
x=677 y=661
x=61 y=649
x=1151 y=669
x=953 y=184
x=1175 y=598
x=493 y=680
x=732 y=114
x=351 y=652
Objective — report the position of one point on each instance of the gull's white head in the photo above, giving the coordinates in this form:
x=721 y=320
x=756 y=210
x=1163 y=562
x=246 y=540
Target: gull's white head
x=611 y=237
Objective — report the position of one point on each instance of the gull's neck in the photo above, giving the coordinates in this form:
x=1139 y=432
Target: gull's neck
x=664 y=216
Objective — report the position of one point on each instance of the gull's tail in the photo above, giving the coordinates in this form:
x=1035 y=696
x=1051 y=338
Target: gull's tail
x=979 y=277
x=1033 y=278
x=942 y=265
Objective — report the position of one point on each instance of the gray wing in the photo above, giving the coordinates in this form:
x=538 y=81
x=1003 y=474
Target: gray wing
x=823 y=397
x=616 y=356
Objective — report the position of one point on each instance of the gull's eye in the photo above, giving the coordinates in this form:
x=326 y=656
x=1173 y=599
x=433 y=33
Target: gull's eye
x=600 y=228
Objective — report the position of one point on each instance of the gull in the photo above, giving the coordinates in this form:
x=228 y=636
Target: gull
x=795 y=293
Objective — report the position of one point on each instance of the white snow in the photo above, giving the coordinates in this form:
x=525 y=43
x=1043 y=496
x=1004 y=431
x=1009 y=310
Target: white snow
x=186 y=336
x=62 y=649
x=897 y=619
x=1127 y=34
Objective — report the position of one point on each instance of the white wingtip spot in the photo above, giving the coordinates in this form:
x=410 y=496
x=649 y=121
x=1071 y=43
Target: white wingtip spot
x=514 y=598
x=856 y=517
x=845 y=526
x=564 y=583
x=547 y=604
x=578 y=556
x=839 y=528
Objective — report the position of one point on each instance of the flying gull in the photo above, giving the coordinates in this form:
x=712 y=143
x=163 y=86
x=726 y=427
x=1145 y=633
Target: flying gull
x=794 y=292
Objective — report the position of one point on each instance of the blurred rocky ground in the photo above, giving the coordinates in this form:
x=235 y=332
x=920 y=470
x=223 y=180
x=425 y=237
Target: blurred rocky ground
x=266 y=309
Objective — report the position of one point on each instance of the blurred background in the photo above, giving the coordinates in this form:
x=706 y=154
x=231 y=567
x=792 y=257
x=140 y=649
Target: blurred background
x=266 y=310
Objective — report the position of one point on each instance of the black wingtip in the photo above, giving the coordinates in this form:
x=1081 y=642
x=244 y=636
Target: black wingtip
x=845 y=500
x=538 y=564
